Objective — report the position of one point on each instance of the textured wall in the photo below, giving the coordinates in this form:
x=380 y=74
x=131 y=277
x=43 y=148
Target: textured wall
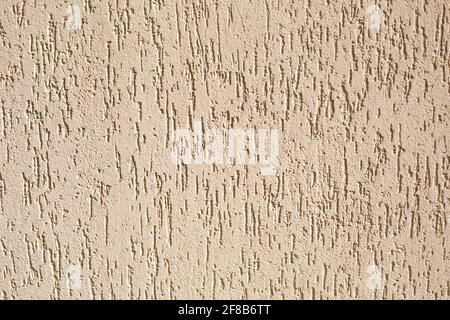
x=93 y=206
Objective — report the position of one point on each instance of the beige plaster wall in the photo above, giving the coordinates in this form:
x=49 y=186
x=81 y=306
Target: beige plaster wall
x=93 y=206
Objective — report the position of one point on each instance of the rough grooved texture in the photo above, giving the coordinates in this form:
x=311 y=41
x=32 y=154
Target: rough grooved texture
x=92 y=205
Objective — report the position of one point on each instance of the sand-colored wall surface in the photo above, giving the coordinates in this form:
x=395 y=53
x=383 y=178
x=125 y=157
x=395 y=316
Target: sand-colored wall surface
x=353 y=202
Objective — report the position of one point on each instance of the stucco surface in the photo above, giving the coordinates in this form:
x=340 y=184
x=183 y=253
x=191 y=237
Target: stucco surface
x=93 y=206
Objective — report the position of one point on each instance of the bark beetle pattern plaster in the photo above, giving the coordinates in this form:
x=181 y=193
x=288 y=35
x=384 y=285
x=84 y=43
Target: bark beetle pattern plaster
x=92 y=205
